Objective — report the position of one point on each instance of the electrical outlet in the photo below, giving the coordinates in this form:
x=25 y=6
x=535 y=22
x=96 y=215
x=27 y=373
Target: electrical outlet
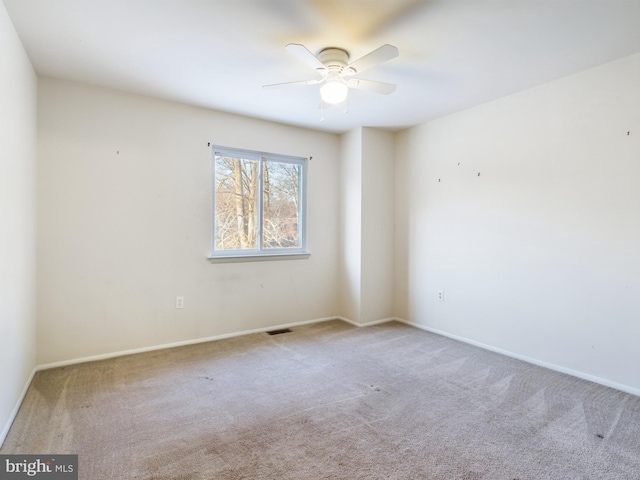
x=179 y=302
x=440 y=296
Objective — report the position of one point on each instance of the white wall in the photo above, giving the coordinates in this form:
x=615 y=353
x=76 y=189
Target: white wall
x=350 y=194
x=378 y=227
x=401 y=225
x=18 y=85
x=539 y=255
x=125 y=225
x=367 y=225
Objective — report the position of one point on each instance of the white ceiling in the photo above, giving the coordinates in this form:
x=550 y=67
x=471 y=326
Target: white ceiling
x=454 y=54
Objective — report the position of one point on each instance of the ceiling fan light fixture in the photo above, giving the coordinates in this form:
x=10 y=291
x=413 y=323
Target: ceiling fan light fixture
x=335 y=73
x=334 y=91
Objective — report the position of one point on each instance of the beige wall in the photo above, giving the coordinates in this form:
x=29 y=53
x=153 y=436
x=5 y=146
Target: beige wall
x=539 y=255
x=125 y=225
x=17 y=220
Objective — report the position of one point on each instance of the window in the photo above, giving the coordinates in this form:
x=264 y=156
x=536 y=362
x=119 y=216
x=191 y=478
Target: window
x=259 y=204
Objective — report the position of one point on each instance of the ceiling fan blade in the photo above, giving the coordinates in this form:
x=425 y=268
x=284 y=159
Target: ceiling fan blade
x=379 y=55
x=371 y=86
x=306 y=56
x=294 y=84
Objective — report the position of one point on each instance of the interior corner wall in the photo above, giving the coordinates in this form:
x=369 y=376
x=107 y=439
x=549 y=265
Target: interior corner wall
x=401 y=272
x=350 y=195
x=377 y=236
x=125 y=224
x=367 y=225
x=18 y=85
x=525 y=213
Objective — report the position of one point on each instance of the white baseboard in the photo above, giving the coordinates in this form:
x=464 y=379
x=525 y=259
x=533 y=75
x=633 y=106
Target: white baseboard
x=558 y=368
x=367 y=324
x=12 y=417
x=93 y=358
x=524 y=358
x=105 y=356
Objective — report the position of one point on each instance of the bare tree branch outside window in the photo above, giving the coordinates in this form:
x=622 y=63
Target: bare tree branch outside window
x=237 y=203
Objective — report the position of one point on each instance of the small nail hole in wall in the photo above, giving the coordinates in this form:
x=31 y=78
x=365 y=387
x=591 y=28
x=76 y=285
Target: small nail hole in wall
x=478 y=173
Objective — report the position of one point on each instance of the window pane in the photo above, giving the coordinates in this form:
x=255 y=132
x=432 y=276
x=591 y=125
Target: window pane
x=236 y=203
x=280 y=205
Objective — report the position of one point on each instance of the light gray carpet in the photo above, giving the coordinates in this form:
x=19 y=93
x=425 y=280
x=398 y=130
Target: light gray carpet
x=329 y=401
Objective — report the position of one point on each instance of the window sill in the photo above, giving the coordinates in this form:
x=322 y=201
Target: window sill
x=258 y=258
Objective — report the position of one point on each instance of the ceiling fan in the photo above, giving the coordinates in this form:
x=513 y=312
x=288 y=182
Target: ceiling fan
x=338 y=75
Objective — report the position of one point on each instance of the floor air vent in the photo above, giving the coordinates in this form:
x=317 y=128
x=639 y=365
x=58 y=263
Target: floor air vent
x=278 y=332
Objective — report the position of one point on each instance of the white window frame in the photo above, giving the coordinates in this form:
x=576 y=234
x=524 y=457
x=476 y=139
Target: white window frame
x=262 y=253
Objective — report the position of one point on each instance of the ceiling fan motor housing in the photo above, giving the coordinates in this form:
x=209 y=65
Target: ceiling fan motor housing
x=334 y=58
